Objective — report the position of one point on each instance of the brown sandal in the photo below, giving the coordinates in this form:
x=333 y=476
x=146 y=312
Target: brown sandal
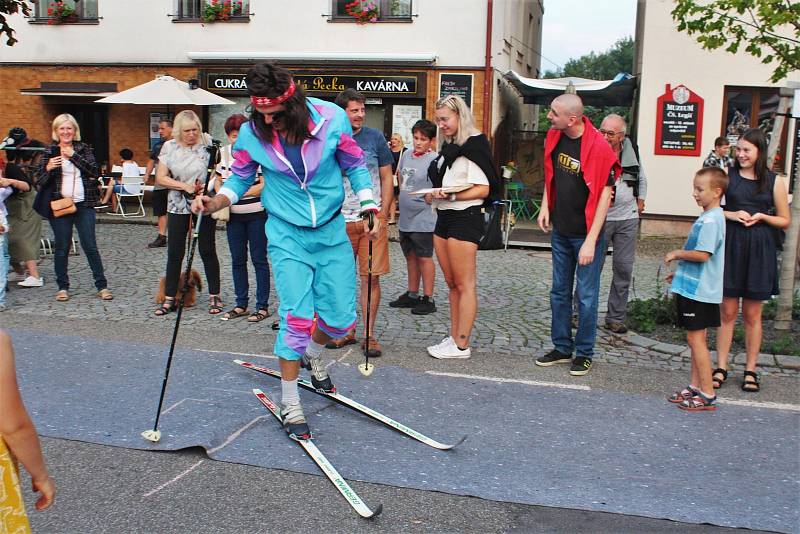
x=215 y=305
x=258 y=316
x=235 y=313
x=349 y=339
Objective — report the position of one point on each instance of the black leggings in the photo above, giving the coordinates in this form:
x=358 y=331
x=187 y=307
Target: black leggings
x=177 y=232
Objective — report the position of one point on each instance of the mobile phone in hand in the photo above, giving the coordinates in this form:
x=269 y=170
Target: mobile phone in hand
x=55 y=151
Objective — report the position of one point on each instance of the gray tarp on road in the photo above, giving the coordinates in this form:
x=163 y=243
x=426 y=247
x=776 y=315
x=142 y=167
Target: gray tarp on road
x=593 y=450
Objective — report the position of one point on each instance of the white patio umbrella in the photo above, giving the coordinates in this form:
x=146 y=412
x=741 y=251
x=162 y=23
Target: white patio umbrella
x=165 y=90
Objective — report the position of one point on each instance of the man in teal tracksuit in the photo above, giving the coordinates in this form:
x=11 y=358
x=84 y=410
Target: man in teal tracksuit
x=303 y=146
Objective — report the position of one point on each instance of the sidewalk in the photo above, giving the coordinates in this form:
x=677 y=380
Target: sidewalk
x=513 y=291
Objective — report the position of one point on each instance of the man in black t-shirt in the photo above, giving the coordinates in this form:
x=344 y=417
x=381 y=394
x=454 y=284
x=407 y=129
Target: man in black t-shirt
x=579 y=168
x=159 y=192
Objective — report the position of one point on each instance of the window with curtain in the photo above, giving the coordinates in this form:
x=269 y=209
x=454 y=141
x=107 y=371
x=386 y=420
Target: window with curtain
x=753 y=107
x=196 y=9
x=82 y=9
x=386 y=9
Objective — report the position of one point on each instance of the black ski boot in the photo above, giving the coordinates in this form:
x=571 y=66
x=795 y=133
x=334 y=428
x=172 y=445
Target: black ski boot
x=294 y=421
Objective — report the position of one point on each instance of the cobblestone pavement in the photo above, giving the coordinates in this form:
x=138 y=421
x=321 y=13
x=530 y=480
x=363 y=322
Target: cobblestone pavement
x=513 y=289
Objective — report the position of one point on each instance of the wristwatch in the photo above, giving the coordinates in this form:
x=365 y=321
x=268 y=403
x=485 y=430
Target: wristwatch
x=452 y=197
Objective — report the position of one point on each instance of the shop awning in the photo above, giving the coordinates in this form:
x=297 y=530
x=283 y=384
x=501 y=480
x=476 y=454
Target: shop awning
x=616 y=92
x=78 y=89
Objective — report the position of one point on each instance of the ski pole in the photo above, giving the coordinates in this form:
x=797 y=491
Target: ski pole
x=155 y=434
x=366 y=368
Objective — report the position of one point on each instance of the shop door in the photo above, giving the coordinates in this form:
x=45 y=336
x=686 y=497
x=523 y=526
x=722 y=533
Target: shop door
x=93 y=121
x=376 y=117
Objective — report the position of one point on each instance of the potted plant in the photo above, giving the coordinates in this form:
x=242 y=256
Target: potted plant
x=509 y=169
x=364 y=11
x=216 y=10
x=60 y=13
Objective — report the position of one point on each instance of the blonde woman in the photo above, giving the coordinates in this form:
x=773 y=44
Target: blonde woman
x=461 y=175
x=69 y=169
x=182 y=167
x=18 y=443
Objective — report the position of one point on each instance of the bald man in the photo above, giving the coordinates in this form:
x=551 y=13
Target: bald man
x=579 y=169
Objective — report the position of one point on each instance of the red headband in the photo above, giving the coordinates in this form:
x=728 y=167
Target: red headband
x=264 y=101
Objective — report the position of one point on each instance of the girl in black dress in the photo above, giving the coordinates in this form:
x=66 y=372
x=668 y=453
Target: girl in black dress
x=756 y=209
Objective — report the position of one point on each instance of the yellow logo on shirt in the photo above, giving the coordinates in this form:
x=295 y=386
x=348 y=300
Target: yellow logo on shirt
x=568 y=164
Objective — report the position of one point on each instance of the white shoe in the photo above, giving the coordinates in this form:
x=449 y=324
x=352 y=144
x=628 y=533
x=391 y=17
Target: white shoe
x=31 y=281
x=449 y=351
x=443 y=343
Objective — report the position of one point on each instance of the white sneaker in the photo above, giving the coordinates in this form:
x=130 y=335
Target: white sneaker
x=449 y=351
x=31 y=281
x=443 y=343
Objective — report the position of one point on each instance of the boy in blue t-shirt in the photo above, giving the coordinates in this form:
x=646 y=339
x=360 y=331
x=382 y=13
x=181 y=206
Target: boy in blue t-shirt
x=697 y=285
x=417 y=221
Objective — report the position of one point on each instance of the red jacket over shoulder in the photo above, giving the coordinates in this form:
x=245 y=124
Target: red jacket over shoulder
x=597 y=161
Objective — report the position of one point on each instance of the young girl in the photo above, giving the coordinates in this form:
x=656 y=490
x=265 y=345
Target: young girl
x=757 y=207
x=465 y=164
x=18 y=442
x=129 y=169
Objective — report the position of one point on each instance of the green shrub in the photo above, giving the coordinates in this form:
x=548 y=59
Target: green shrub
x=770 y=308
x=784 y=345
x=645 y=314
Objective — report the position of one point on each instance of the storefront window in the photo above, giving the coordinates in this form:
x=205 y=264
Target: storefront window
x=386 y=9
x=82 y=9
x=753 y=107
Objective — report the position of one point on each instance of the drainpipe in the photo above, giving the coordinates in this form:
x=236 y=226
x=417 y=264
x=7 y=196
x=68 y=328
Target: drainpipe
x=487 y=72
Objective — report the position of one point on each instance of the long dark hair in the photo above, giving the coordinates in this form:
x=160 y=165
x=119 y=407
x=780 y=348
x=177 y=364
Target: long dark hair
x=757 y=138
x=271 y=80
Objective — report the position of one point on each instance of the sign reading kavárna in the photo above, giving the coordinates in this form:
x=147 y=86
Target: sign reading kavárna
x=233 y=83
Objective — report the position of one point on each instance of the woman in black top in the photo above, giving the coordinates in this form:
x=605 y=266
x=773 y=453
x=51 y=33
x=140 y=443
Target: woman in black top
x=756 y=209
x=69 y=169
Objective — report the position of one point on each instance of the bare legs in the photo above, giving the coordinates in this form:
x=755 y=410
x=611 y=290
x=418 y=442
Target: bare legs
x=751 y=314
x=420 y=268
x=457 y=260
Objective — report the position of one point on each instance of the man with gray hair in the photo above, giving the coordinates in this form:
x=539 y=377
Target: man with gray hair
x=622 y=220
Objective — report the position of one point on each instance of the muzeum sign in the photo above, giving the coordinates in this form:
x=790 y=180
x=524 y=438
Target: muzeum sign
x=369 y=84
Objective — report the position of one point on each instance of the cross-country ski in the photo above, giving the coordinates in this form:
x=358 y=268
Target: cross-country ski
x=350 y=403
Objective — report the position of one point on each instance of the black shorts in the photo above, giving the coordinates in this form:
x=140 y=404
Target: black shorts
x=420 y=243
x=464 y=225
x=694 y=315
x=159 y=201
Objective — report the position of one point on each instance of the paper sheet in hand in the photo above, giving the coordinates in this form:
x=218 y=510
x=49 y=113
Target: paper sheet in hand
x=450 y=189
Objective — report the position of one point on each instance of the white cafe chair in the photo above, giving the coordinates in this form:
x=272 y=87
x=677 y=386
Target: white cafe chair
x=132 y=187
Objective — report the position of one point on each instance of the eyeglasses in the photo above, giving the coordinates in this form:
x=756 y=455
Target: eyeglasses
x=610 y=133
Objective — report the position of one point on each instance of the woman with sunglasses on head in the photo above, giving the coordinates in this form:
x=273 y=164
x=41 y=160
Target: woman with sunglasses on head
x=756 y=208
x=462 y=175
x=69 y=170
x=182 y=168
x=303 y=145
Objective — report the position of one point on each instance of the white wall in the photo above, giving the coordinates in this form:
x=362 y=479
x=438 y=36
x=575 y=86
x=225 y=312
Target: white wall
x=139 y=31
x=672 y=57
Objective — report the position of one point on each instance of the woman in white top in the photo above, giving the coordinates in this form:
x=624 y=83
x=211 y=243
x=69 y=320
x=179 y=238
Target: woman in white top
x=464 y=153
x=182 y=167
x=69 y=170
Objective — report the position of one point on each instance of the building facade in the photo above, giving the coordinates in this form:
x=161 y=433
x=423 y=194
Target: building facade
x=687 y=98
x=411 y=54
